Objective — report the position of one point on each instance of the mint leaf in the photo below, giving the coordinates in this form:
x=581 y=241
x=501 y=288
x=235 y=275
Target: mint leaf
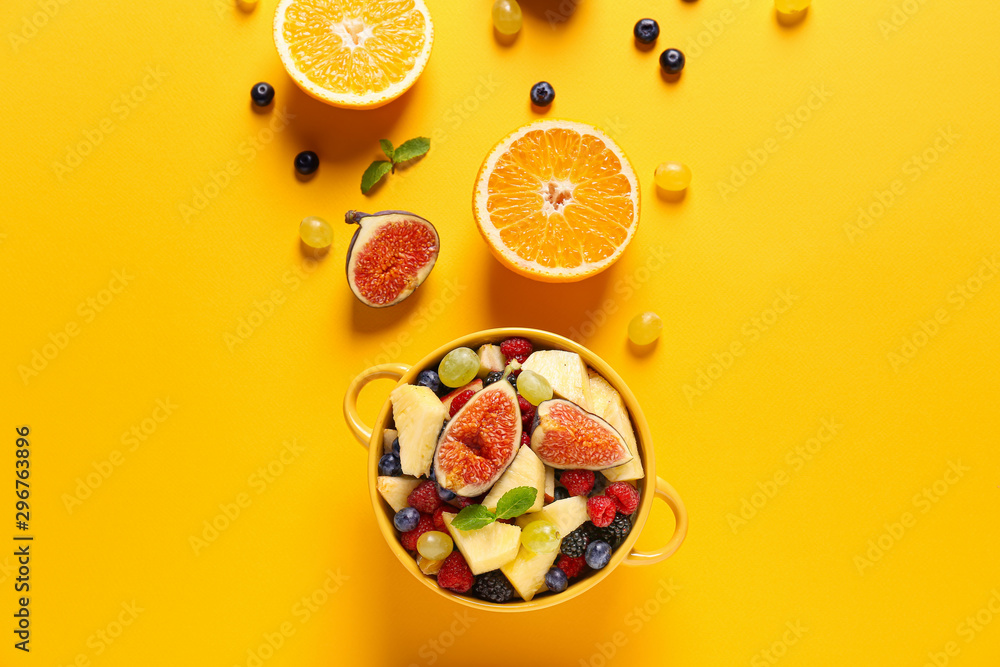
x=516 y=502
x=386 y=147
x=411 y=149
x=473 y=517
x=374 y=173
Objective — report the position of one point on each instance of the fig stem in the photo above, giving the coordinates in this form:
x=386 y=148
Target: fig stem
x=354 y=217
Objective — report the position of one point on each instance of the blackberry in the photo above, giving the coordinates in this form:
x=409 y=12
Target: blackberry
x=614 y=533
x=494 y=587
x=574 y=544
x=493 y=376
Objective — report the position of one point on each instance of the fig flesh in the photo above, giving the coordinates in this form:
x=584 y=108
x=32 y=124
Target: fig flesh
x=567 y=436
x=480 y=441
x=391 y=254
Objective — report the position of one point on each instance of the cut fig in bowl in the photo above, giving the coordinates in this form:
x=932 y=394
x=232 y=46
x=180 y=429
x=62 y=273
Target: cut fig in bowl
x=500 y=502
x=390 y=256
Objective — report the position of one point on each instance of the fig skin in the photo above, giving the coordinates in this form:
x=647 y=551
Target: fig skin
x=358 y=218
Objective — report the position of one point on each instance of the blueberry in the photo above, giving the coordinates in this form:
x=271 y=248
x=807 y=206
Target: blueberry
x=389 y=465
x=646 y=31
x=306 y=162
x=491 y=377
x=598 y=554
x=542 y=94
x=672 y=61
x=561 y=493
x=445 y=494
x=406 y=519
x=430 y=380
x=395 y=446
x=262 y=94
x=555 y=579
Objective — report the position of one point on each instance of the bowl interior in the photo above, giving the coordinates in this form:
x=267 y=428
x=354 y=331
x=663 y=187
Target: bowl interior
x=541 y=340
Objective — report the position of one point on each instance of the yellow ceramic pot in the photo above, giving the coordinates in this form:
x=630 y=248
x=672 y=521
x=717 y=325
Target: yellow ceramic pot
x=651 y=485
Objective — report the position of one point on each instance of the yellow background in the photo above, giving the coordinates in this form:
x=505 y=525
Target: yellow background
x=193 y=279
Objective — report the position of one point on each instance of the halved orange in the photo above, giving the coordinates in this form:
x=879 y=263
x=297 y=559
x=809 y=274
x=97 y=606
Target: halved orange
x=557 y=201
x=354 y=53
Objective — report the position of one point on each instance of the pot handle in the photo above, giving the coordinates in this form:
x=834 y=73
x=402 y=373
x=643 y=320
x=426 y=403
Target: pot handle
x=362 y=431
x=667 y=494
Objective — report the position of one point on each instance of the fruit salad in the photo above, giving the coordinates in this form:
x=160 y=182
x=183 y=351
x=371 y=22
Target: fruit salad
x=512 y=471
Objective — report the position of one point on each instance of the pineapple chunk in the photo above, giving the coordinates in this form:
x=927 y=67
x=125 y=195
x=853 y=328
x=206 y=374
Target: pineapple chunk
x=419 y=415
x=388 y=436
x=490 y=359
x=608 y=404
x=527 y=572
x=525 y=470
x=566 y=373
x=395 y=490
x=487 y=548
x=567 y=514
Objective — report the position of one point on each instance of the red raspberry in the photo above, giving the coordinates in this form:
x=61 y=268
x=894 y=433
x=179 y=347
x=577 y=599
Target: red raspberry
x=410 y=537
x=459 y=401
x=516 y=348
x=525 y=439
x=626 y=496
x=439 y=520
x=425 y=497
x=571 y=566
x=601 y=510
x=462 y=501
x=455 y=574
x=527 y=410
x=578 y=482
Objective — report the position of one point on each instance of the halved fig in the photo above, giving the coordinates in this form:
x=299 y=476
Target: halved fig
x=391 y=254
x=480 y=441
x=567 y=436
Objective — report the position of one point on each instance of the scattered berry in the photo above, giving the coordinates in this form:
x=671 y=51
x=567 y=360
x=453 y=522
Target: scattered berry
x=672 y=61
x=406 y=519
x=425 y=497
x=527 y=409
x=542 y=95
x=574 y=544
x=410 y=537
x=439 y=520
x=578 y=482
x=389 y=465
x=571 y=566
x=646 y=31
x=306 y=162
x=625 y=495
x=459 y=401
x=445 y=494
x=430 y=380
x=598 y=554
x=494 y=587
x=262 y=93
x=491 y=377
x=672 y=176
x=525 y=439
x=517 y=348
x=560 y=493
x=600 y=508
x=316 y=232
x=556 y=580
x=455 y=574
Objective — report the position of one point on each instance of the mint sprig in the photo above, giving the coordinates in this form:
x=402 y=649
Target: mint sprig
x=405 y=152
x=512 y=504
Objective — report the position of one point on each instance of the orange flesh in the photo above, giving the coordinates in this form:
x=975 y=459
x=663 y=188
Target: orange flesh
x=559 y=198
x=478 y=440
x=389 y=262
x=572 y=438
x=354 y=46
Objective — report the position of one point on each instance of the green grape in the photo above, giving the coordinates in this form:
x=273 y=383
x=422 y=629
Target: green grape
x=540 y=537
x=459 y=367
x=507 y=16
x=533 y=387
x=645 y=328
x=316 y=232
x=672 y=176
x=791 y=6
x=434 y=545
